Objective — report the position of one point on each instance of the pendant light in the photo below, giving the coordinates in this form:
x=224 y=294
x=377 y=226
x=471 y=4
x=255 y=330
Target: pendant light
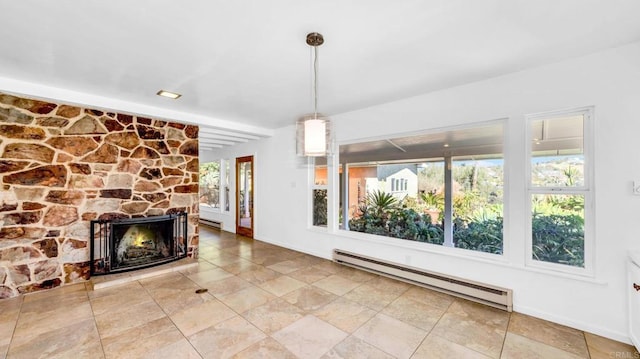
x=313 y=131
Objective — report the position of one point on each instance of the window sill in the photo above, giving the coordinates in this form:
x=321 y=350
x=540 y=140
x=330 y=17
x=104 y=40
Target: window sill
x=494 y=259
x=424 y=247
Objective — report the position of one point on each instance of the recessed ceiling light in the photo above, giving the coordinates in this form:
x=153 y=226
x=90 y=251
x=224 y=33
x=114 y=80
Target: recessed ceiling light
x=171 y=95
x=446 y=145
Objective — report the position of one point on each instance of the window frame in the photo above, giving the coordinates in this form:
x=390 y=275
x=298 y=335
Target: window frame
x=223 y=176
x=444 y=248
x=312 y=187
x=586 y=190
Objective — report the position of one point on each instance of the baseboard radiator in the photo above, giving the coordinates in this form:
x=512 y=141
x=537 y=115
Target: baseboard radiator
x=479 y=292
x=211 y=223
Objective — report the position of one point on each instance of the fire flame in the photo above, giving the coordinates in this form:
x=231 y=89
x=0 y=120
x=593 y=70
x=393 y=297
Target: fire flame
x=140 y=240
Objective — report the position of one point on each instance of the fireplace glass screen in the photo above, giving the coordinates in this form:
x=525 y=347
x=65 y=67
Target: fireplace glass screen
x=127 y=244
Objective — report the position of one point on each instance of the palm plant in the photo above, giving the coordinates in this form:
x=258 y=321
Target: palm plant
x=381 y=202
x=433 y=200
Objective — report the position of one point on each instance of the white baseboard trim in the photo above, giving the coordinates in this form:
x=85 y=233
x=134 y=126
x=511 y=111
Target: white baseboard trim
x=586 y=327
x=295 y=248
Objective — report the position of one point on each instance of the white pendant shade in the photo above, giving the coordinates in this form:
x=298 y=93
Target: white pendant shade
x=313 y=136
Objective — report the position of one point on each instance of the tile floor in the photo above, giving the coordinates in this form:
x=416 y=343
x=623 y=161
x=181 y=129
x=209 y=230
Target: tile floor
x=264 y=301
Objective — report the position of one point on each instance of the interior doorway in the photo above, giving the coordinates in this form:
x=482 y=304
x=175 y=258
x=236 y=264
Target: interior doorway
x=244 y=196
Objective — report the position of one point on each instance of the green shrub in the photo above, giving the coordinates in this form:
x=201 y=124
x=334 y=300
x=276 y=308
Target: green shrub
x=484 y=235
x=558 y=239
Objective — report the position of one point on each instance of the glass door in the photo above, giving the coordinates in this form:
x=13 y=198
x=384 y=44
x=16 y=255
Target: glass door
x=244 y=196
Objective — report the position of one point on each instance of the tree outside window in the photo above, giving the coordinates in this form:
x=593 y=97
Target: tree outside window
x=210 y=184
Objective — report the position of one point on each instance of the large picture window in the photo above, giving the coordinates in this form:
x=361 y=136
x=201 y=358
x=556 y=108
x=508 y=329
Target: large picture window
x=442 y=188
x=560 y=190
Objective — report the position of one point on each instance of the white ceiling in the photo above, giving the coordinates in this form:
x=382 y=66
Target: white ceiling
x=245 y=63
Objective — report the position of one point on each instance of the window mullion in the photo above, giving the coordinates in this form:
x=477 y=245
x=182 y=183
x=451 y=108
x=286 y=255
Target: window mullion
x=448 y=202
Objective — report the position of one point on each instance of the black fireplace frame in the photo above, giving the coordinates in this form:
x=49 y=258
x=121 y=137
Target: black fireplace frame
x=102 y=232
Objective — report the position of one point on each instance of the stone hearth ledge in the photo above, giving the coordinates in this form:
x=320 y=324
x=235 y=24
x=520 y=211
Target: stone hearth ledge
x=110 y=280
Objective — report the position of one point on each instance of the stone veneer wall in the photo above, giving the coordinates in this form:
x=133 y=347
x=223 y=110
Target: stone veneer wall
x=62 y=166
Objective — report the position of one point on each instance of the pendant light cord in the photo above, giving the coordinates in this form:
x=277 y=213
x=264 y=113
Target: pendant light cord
x=315 y=82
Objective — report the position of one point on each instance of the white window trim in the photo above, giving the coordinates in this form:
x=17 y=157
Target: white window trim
x=587 y=190
x=312 y=186
x=444 y=248
x=221 y=188
x=223 y=198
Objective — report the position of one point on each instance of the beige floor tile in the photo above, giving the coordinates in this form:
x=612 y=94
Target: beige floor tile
x=480 y=313
x=435 y=347
x=266 y=348
x=309 y=337
x=356 y=275
x=6 y=331
x=391 y=335
x=166 y=284
x=309 y=275
x=603 y=348
x=388 y=284
x=181 y=349
x=345 y=314
x=9 y=312
x=30 y=325
x=203 y=266
x=127 y=317
x=372 y=297
x=259 y=275
x=199 y=317
x=206 y=277
x=48 y=301
x=240 y=266
x=329 y=266
x=108 y=299
x=556 y=335
x=415 y=313
x=430 y=297
x=356 y=348
x=519 y=347
x=309 y=298
x=78 y=340
x=287 y=266
x=183 y=299
x=474 y=326
x=281 y=285
x=64 y=292
x=227 y=286
x=266 y=260
x=131 y=320
x=309 y=260
x=143 y=340
x=222 y=259
x=246 y=299
x=274 y=315
x=226 y=339
x=336 y=284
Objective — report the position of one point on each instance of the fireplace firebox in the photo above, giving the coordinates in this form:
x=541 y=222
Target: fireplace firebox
x=126 y=244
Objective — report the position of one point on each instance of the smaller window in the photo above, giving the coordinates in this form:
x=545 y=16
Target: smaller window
x=225 y=198
x=560 y=190
x=210 y=184
x=319 y=192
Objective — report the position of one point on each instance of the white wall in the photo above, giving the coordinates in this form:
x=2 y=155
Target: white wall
x=610 y=81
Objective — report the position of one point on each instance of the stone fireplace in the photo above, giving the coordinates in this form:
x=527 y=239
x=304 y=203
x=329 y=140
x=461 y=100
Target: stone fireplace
x=126 y=244
x=63 y=166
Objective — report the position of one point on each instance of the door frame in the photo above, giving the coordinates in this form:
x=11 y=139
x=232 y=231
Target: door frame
x=244 y=231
